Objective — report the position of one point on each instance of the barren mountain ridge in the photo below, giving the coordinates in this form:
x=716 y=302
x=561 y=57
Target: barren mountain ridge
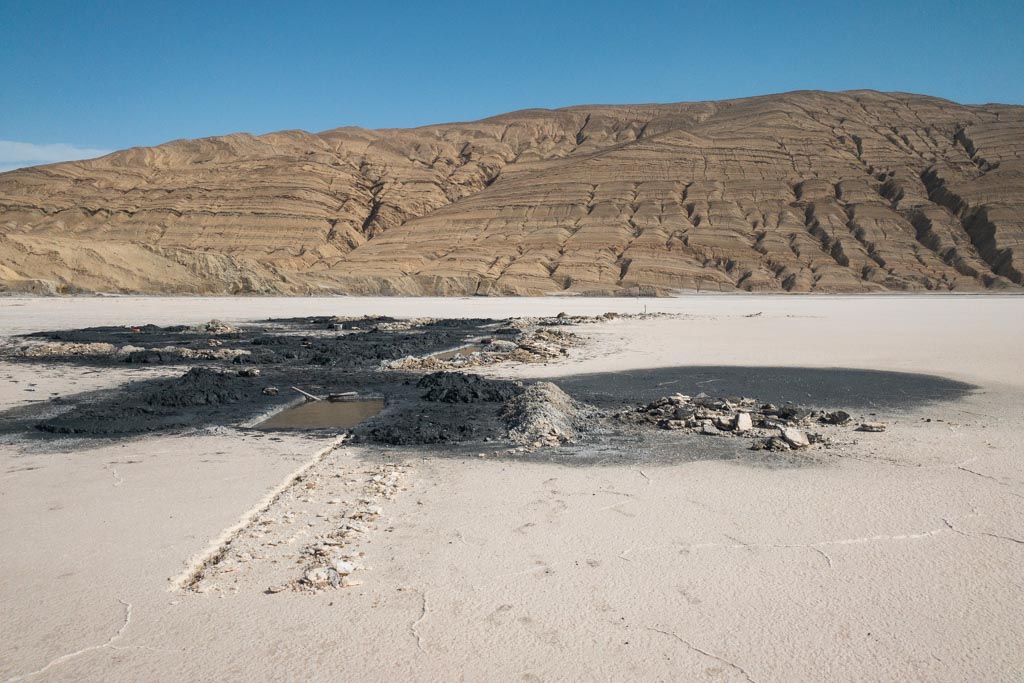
x=804 y=192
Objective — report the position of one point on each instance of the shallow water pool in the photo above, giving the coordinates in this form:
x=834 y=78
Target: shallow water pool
x=324 y=414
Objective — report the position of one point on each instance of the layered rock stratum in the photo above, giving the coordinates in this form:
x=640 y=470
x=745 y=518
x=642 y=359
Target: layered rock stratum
x=802 y=192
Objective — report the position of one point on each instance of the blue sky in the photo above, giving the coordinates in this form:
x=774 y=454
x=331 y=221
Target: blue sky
x=82 y=77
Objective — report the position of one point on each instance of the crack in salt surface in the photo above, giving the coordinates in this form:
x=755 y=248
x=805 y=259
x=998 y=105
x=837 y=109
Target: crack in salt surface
x=735 y=667
x=824 y=555
x=613 y=506
x=1003 y=538
x=420 y=618
x=738 y=545
x=997 y=480
x=71 y=655
x=816 y=547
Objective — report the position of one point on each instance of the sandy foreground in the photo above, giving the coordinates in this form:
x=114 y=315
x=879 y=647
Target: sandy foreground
x=896 y=557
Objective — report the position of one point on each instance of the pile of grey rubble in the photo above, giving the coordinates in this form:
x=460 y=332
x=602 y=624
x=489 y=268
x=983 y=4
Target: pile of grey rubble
x=532 y=346
x=771 y=427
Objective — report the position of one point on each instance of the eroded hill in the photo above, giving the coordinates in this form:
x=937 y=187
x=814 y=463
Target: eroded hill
x=808 y=191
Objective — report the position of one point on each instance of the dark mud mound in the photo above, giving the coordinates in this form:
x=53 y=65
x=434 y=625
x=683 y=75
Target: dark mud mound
x=149 y=358
x=333 y=322
x=427 y=427
x=430 y=417
x=113 y=333
x=201 y=387
x=527 y=419
x=460 y=323
x=500 y=413
x=369 y=348
x=120 y=421
x=457 y=387
x=189 y=400
x=850 y=388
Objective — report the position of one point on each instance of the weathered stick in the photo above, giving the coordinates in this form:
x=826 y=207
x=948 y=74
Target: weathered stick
x=307 y=394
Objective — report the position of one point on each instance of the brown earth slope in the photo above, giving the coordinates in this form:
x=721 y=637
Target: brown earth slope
x=806 y=191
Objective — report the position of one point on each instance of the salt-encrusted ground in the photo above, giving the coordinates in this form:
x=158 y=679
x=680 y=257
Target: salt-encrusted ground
x=896 y=557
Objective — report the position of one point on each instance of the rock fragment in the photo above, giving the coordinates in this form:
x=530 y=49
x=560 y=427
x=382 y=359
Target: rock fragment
x=795 y=437
x=343 y=566
x=321 y=577
x=709 y=430
x=837 y=417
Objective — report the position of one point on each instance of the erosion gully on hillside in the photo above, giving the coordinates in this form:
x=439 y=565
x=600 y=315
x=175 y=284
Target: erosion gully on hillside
x=395 y=382
x=803 y=191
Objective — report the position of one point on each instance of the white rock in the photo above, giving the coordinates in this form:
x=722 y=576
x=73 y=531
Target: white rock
x=794 y=437
x=342 y=566
x=318 y=576
x=743 y=422
x=502 y=345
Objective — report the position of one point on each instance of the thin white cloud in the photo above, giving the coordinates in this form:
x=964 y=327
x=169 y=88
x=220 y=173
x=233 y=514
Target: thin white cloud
x=20 y=154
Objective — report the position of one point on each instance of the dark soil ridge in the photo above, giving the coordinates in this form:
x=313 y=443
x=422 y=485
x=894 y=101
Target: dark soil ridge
x=320 y=355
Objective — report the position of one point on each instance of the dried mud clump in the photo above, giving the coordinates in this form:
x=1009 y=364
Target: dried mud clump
x=544 y=415
x=535 y=346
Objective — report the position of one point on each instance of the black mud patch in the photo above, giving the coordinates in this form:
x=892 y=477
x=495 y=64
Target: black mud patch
x=200 y=387
x=458 y=387
x=444 y=413
x=240 y=372
x=197 y=395
x=413 y=424
x=848 y=388
x=429 y=416
x=295 y=342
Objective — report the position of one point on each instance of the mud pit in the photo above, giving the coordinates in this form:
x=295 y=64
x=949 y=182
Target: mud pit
x=243 y=376
x=323 y=415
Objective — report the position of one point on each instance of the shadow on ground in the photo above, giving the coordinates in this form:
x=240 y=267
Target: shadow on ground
x=830 y=388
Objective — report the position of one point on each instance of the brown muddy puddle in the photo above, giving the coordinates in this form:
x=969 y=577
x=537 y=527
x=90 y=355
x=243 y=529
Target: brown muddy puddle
x=324 y=415
x=461 y=351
